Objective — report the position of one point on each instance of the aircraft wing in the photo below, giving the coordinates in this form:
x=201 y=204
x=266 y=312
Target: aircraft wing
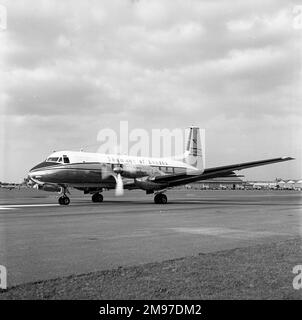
x=209 y=173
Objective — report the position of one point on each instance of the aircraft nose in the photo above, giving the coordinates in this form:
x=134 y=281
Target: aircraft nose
x=39 y=166
x=33 y=176
x=39 y=172
x=30 y=179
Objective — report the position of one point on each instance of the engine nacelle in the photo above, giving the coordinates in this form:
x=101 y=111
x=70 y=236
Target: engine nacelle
x=47 y=187
x=132 y=172
x=148 y=185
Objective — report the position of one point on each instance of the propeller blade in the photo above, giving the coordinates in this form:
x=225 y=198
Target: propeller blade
x=119 y=189
x=106 y=172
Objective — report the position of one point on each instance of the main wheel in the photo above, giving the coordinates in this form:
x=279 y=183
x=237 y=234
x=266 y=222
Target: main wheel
x=64 y=200
x=160 y=198
x=97 y=197
x=163 y=199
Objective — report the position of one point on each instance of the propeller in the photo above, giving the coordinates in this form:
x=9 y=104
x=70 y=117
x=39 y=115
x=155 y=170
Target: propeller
x=119 y=189
x=116 y=174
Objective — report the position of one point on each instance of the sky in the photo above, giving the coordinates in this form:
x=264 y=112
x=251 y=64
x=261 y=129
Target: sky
x=69 y=69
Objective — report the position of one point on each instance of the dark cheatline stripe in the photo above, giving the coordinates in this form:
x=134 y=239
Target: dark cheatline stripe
x=44 y=164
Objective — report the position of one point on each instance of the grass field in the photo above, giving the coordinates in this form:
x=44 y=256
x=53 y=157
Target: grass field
x=258 y=272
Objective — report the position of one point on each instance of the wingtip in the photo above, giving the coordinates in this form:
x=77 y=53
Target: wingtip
x=287 y=158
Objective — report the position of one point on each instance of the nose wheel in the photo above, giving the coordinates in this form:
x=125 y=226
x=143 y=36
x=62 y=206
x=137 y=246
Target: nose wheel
x=64 y=200
x=97 y=197
x=160 y=198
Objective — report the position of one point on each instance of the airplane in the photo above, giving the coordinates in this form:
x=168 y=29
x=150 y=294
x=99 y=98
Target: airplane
x=8 y=186
x=93 y=173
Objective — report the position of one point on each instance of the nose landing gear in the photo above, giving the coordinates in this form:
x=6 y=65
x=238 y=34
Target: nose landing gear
x=64 y=200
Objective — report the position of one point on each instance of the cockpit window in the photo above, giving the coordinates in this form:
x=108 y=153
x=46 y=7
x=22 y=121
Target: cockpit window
x=66 y=159
x=63 y=159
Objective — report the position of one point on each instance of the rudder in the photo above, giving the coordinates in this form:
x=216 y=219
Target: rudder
x=194 y=154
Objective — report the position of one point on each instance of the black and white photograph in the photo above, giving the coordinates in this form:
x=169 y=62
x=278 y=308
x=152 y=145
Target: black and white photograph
x=150 y=150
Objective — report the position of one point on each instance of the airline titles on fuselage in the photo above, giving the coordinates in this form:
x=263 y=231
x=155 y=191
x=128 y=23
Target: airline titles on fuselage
x=140 y=161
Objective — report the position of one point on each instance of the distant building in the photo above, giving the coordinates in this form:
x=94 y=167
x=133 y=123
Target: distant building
x=233 y=182
x=298 y=185
x=289 y=185
x=259 y=185
x=281 y=184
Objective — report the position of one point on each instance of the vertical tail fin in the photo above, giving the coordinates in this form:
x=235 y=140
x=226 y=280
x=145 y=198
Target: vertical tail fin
x=194 y=153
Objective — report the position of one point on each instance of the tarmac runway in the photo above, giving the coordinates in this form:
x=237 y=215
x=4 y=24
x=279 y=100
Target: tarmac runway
x=41 y=240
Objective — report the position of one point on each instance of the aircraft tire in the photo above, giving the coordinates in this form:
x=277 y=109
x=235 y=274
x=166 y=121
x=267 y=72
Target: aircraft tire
x=64 y=200
x=163 y=199
x=97 y=197
x=160 y=198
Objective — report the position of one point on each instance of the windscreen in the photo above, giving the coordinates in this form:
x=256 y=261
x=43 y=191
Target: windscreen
x=53 y=159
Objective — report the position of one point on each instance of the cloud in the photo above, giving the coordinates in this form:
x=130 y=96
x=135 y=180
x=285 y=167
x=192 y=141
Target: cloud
x=70 y=68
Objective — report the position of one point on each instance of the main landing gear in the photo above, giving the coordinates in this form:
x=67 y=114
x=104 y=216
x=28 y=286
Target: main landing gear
x=97 y=197
x=64 y=200
x=160 y=198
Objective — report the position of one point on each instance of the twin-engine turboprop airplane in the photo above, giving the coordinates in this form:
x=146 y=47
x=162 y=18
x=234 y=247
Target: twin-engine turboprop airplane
x=95 y=172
